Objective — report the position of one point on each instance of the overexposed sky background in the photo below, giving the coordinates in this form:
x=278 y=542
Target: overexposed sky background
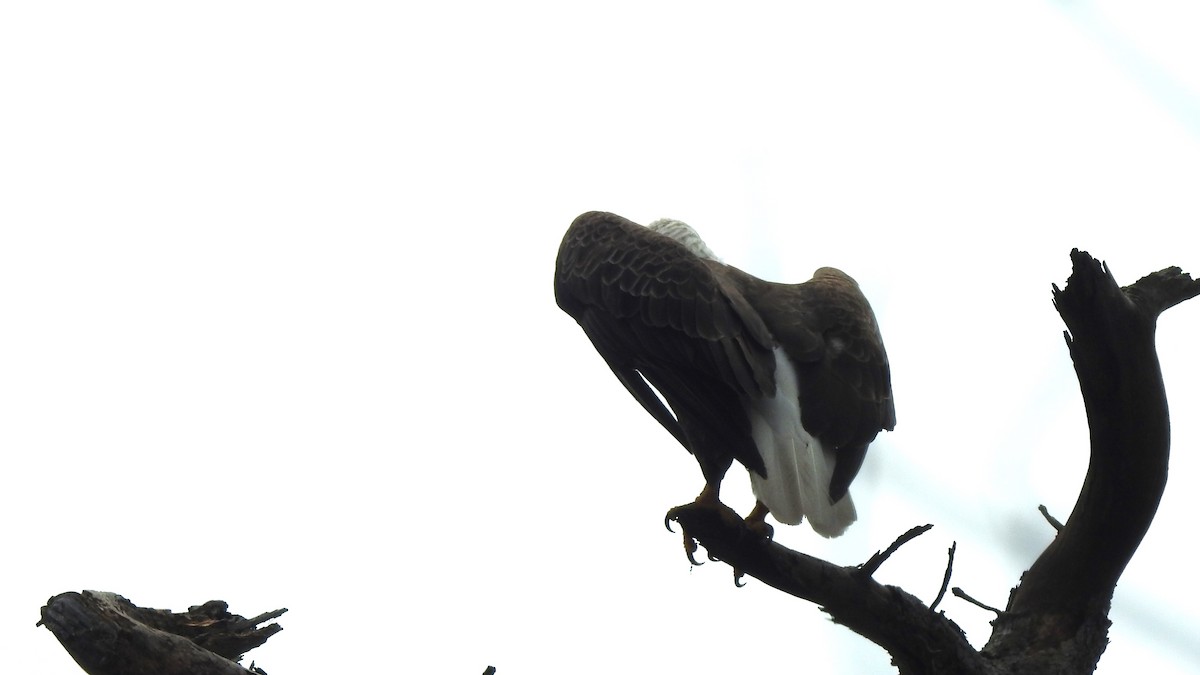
x=277 y=325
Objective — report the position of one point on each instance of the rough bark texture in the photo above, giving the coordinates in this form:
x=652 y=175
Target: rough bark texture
x=108 y=635
x=1057 y=616
x=919 y=640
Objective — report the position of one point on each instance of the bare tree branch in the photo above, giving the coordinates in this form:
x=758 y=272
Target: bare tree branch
x=919 y=640
x=1054 y=522
x=108 y=635
x=1062 y=602
x=876 y=560
x=963 y=595
x=946 y=577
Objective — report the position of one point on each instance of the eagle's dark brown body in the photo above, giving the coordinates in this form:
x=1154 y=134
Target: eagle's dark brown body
x=784 y=378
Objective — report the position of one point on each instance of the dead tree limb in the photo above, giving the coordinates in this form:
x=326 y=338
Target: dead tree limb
x=919 y=640
x=108 y=635
x=1057 y=617
x=1061 y=605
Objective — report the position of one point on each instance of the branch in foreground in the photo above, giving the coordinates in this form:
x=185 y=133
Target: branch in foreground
x=919 y=640
x=108 y=635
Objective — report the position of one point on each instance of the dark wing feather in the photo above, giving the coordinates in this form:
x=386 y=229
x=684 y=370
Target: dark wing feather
x=655 y=310
x=829 y=331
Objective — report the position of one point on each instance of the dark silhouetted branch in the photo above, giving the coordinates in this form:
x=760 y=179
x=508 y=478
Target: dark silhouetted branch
x=963 y=595
x=946 y=577
x=1061 y=605
x=108 y=635
x=1054 y=522
x=876 y=560
x=920 y=641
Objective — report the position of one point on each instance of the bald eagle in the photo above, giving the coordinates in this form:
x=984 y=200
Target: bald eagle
x=790 y=380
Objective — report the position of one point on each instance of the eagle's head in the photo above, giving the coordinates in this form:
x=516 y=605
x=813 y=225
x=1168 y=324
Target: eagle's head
x=684 y=234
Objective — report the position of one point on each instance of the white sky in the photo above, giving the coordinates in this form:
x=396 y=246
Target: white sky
x=278 y=328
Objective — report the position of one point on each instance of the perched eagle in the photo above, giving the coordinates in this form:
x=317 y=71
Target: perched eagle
x=791 y=380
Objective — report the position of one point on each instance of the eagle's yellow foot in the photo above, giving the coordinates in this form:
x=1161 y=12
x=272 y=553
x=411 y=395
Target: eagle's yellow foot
x=756 y=521
x=689 y=544
x=708 y=500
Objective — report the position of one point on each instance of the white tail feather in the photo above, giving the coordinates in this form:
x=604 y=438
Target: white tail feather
x=798 y=468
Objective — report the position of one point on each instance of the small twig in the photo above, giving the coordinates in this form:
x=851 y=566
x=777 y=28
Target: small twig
x=945 y=579
x=1049 y=518
x=960 y=593
x=876 y=560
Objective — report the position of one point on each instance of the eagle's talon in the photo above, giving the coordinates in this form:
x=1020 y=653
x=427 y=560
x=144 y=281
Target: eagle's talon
x=689 y=544
x=689 y=547
x=737 y=578
x=756 y=522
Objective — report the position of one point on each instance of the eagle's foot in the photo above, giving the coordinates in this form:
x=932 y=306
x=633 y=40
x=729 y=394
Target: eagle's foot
x=756 y=522
x=689 y=544
x=703 y=502
x=764 y=530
